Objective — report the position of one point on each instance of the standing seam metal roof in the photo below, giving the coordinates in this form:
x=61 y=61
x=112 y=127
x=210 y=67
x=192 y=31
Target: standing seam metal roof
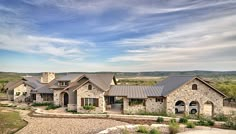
x=135 y=91
x=173 y=82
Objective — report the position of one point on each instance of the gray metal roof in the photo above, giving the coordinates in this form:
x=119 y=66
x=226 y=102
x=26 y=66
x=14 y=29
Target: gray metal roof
x=134 y=91
x=44 y=88
x=15 y=84
x=69 y=77
x=162 y=89
x=103 y=81
x=34 y=82
x=173 y=82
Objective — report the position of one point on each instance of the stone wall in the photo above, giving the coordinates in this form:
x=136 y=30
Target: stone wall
x=56 y=96
x=203 y=94
x=83 y=92
x=47 y=77
x=153 y=106
x=21 y=89
x=132 y=109
x=39 y=99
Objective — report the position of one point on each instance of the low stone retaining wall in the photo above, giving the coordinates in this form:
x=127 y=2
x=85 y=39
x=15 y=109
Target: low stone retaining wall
x=142 y=118
x=112 y=129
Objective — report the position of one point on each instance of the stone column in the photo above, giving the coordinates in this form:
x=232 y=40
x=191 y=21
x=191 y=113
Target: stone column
x=186 y=112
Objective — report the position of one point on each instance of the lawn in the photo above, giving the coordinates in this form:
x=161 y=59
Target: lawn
x=10 y=121
x=3 y=95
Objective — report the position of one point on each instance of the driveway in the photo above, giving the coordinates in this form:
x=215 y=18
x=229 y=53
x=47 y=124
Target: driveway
x=67 y=125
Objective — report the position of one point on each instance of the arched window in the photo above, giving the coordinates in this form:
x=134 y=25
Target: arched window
x=89 y=87
x=194 y=87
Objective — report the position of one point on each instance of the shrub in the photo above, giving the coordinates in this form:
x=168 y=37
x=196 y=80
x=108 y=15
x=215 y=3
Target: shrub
x=160 y=119
x=221 y=117
x=172 y=121
x=125 y=131
x=200 y=123
x=89 y=107
x=142 y=129
x=154 y=131
x=52 y=106
x=152 y=113
x=41 y=104
x=206 y=122
x=71 y=111
x=183 y=120
x=230 y=124
x=190 y=125
x=210 y=123
x=173 y=128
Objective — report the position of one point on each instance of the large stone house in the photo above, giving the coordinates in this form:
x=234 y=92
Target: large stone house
x=175 y=94
x=32 y=88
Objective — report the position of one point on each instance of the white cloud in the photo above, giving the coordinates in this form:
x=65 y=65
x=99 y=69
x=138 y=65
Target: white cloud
x=42 y=45
x=204 y=42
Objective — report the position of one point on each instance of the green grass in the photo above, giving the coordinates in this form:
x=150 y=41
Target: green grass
x=3 y=95
x=10 y=121
x=147 y=82
x=228 y=87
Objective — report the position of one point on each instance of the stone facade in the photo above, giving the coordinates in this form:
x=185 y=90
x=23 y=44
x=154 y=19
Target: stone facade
x=47 y=77
x=83 y=92
x=203 y=94
x=127 y=109
x=39 y=99
x=155 y=106
x=150 y=106
x=21 y=92
x=56 y=96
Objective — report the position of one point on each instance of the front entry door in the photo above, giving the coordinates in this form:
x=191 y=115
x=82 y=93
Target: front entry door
x=65 y=99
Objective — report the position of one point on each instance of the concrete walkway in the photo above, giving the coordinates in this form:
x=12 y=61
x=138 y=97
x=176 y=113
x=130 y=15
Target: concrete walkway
x=211 y=131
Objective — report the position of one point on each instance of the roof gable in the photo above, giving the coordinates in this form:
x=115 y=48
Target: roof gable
x=174 y=82
x=102 y=81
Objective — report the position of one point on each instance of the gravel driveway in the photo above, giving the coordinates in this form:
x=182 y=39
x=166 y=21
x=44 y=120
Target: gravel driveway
x=67 y=125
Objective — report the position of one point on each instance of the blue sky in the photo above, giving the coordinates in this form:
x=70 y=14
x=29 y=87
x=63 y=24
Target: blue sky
x=117 y=35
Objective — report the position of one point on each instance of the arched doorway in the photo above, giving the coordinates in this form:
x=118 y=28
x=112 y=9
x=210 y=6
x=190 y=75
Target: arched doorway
x=194 y=107
x=180 y=107
x=208 y=108
x=66 y=99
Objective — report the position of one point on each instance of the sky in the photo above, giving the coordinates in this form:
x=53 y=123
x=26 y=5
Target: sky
x=117 y=35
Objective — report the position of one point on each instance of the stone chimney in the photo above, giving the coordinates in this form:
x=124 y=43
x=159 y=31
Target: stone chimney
x=47 y=77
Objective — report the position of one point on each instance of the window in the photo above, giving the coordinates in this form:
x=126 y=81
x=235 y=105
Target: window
x=133 y=102
x=89 y=87
x=17 y=93
x=194 y=87
x=34 y=96
x=159 y=100
x=63 y=83
x=24 y=93
x=89 y=101
x=47 y=97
